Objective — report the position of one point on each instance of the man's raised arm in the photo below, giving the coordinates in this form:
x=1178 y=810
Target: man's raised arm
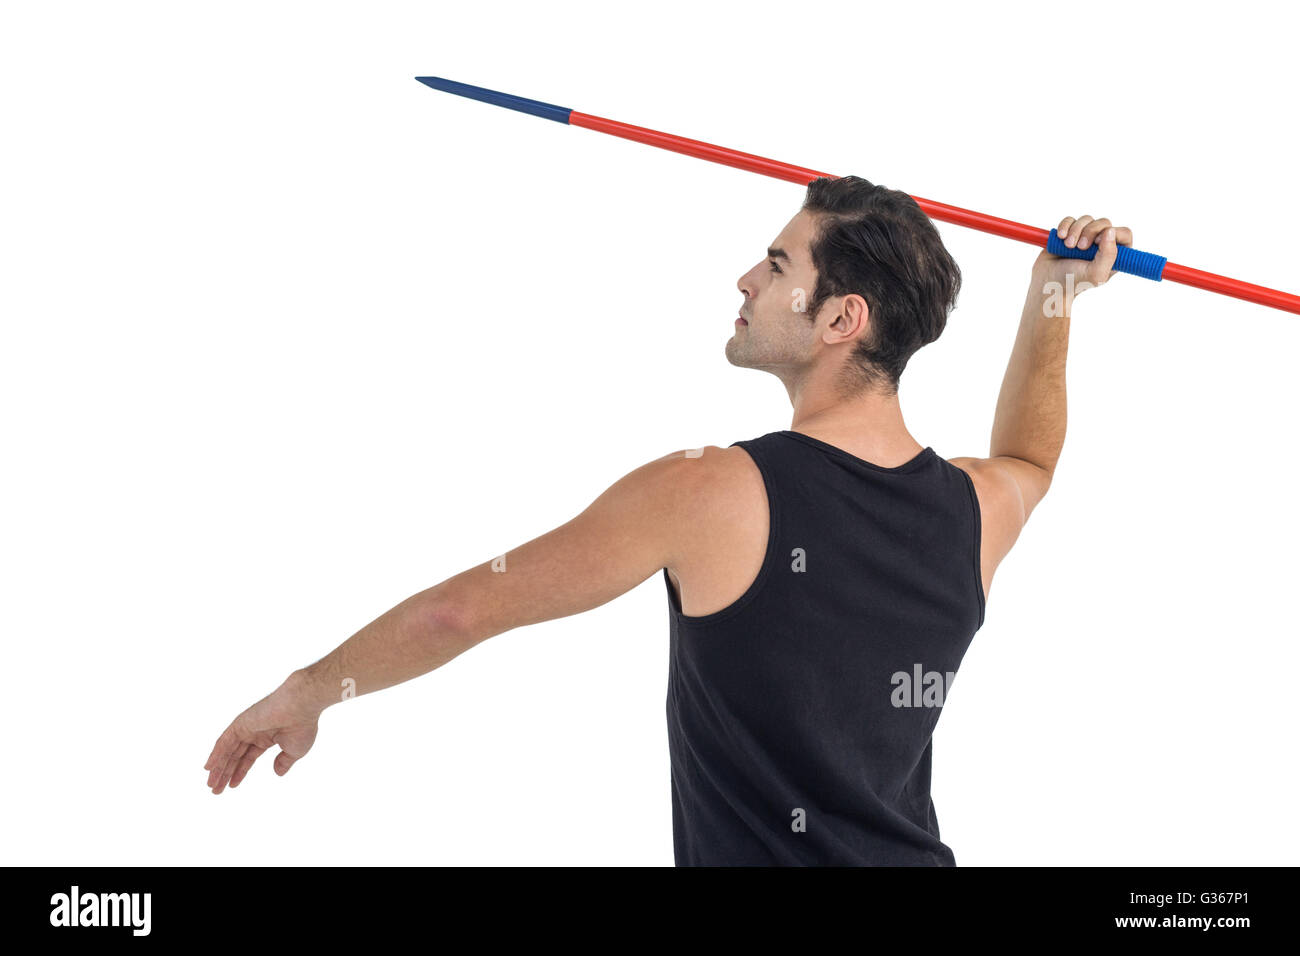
x=632 y=530
x=1029 y=424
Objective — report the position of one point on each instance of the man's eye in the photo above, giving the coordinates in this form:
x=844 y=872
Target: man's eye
x=774 y=267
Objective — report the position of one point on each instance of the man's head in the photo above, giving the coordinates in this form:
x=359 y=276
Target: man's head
x=857 y=281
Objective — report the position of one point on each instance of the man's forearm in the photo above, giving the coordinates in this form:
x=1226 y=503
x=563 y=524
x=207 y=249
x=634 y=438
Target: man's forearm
x=1030 y=420
x=410 y=639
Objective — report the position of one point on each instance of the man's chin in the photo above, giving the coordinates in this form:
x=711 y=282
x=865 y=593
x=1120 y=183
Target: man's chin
x=734 y=353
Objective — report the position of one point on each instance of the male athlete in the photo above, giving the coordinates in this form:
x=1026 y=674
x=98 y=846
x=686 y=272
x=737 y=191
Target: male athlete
x=823 y=582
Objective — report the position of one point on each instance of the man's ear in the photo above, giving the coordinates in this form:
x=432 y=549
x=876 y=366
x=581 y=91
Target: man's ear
x=852 y=317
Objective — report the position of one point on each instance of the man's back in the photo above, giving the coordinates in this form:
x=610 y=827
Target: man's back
x=800 y=712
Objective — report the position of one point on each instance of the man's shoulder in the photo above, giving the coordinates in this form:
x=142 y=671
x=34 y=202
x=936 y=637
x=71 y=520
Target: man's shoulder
x=709 y=486
x=686 y=482
x=720 y=523
x=703 y=471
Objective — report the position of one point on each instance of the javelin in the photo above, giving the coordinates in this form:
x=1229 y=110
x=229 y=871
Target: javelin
x=1128 y=260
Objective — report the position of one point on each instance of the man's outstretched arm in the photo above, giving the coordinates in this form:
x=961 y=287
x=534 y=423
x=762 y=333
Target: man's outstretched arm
x=628 y=533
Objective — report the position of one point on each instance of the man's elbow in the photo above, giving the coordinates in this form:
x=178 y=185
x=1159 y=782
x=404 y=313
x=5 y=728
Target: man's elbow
x=446 y=614
x=1034 y=488
x=1028 y=481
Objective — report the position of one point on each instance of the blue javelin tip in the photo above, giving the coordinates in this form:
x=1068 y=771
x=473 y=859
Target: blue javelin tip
x=537 y=108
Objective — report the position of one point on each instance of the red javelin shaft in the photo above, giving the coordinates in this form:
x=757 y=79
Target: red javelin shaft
x=935 y=210
x=1129 y=260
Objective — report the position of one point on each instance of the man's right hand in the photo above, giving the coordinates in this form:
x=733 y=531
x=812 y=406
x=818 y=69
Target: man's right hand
x=1083 y=233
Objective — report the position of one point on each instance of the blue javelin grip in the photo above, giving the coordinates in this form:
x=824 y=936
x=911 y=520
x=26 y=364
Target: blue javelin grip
x=1148 y=265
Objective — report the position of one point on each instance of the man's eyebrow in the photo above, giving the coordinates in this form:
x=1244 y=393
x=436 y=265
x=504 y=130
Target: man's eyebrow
x=777 y=254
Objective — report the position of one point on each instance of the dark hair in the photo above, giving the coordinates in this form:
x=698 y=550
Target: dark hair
x=878 y=243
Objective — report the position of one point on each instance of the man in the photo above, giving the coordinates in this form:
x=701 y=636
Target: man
x=823 y=581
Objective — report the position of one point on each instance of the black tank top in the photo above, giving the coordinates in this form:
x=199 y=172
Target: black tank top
x=800 y=716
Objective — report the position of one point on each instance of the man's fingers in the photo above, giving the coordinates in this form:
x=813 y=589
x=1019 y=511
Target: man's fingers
x=1076 y=231
x=1085 y=231
x=1093 y=232
x=227 y=742
x=228 y=767
x=1107 y=252
x=254 y=751
x=219 y=748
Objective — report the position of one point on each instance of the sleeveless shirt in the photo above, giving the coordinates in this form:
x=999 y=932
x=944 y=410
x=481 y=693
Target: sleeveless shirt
x=800 y=716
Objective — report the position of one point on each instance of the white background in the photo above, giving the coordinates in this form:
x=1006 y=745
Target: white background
x=289 y=337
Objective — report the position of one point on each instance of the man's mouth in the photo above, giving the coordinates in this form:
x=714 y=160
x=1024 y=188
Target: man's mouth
x=740 y=320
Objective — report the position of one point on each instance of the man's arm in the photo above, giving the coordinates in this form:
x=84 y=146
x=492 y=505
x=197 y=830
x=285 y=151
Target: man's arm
x=635 y=528
x=1029 y=424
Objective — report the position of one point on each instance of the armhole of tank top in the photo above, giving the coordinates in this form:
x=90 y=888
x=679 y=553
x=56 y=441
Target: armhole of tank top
x=979 y=532
x=769 y=556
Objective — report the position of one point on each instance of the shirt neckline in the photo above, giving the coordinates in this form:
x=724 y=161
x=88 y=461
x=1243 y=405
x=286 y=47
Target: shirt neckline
x=919 y=459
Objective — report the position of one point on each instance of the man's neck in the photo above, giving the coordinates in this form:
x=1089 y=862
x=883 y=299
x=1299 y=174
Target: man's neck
x=868 y=425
